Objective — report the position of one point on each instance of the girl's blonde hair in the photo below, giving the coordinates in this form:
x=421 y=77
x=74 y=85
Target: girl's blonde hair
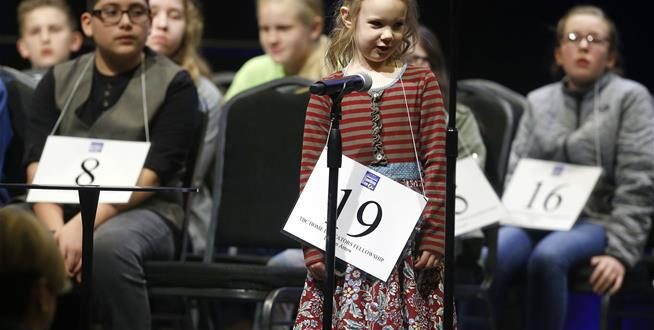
x=342 y=48
x=187 y=55
x=308 y=9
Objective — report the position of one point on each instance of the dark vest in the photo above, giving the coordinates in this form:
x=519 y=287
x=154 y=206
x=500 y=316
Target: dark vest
x=124 y=120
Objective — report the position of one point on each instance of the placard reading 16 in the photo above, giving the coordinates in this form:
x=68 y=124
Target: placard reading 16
x=548 y=195
x=551 y=202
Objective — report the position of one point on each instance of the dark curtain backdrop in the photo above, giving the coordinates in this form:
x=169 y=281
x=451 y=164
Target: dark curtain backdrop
x=507 y=41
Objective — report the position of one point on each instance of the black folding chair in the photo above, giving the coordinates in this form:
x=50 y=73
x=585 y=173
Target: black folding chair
x=256 y=186
x=161 y=307
x=20 y=89
x=517 y=101
x=495 y=115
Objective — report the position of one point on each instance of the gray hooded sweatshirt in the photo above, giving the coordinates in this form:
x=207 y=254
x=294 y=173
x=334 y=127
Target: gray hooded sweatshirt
x=610 y=125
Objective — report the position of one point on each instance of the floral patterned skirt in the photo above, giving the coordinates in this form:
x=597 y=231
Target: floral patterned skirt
x=409 y=300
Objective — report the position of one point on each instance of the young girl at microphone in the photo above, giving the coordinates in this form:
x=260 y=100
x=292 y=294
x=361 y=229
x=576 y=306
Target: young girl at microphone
x=396 y=128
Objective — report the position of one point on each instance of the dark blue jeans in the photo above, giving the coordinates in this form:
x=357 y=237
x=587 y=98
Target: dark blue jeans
x=547 y=257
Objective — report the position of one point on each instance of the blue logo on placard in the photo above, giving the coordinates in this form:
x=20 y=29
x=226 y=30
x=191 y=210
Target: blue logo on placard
x=96 y=146
x=557 y=170
x=370 y=181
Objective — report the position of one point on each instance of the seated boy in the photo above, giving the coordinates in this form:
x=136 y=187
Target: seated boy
x=120 y=91
x=48 y=34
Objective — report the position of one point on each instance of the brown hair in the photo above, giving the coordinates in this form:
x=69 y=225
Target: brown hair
x=614 y=39
x=90 y=4
x=342 y=48
x=436 y=58
x=28 y=253
x=26 y=6
x=308 y=9
x=187 y=55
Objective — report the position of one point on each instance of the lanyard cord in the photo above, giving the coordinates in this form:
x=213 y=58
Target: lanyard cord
x=413 y=140
x=70 y=97
x=145 y=103
x=76 y=86
x=598 y=150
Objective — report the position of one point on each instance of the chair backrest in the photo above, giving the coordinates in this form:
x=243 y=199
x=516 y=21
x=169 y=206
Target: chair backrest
x=258 y=165
x=20 y=90
x=496 y=122
x=517 y=101
x=193 y=156
x=188 y=180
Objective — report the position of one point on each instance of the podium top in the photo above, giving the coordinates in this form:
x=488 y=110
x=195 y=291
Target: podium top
x=97 y=188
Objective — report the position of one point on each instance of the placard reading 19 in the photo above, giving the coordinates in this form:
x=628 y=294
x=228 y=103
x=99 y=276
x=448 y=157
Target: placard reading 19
x=376 y=216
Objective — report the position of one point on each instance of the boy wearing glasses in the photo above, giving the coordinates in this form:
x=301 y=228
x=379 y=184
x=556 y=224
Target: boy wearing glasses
x=108 y=94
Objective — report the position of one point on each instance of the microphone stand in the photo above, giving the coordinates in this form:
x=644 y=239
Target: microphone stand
x=451 y=152
x=334 y=159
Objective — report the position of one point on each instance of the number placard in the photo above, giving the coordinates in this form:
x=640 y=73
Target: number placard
x=375 y=216
x=548 y=195
x=477 y=204
x=80 y=161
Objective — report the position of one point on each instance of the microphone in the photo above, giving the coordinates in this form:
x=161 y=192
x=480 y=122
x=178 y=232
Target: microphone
x=359 y=82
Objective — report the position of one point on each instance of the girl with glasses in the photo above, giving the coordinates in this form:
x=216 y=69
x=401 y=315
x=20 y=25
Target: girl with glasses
x=592 y=117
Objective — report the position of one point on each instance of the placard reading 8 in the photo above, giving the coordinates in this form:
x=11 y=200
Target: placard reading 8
x=88 y=165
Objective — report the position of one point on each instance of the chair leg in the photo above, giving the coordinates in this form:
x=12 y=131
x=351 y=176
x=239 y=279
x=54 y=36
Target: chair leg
x=605 y=310
x=288 y=294
x=190 y=314
x=492 y=318
x=265 y=318
x=205 y=313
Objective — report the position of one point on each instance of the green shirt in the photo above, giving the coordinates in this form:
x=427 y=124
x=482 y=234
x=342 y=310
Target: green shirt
x=262 y=69
x=470 y=140
x=254 y=72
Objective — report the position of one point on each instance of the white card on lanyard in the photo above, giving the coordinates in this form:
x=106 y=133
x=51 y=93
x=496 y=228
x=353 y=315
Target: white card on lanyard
x=548 y=195
x=377 y=218
x=477 y=204
x=81 y=161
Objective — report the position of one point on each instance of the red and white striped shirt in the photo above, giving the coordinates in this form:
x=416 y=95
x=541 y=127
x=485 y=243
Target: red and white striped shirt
x=428 y=121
